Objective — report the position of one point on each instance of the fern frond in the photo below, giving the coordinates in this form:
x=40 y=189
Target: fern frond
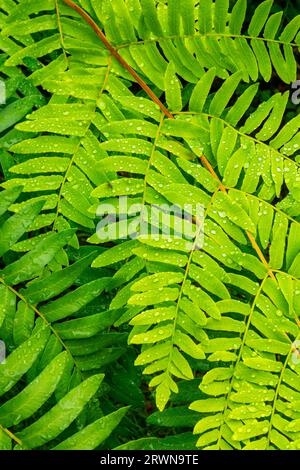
x=233 y=219
x=252 y=396
x=37 y=351
x=161 y=34
x=214 y=292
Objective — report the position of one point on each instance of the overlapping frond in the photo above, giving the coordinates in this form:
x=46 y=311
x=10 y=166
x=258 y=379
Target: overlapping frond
x=195 y=36
x=252 y=402
x=184 y=285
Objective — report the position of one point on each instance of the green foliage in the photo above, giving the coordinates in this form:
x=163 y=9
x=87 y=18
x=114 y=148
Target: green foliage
x=214 y=305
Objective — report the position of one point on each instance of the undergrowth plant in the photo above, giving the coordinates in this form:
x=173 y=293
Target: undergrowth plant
x=162 y=104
